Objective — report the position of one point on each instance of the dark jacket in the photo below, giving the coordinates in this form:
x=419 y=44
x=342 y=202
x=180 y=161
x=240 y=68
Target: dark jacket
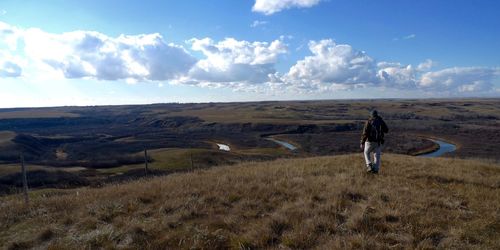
x=370 y=133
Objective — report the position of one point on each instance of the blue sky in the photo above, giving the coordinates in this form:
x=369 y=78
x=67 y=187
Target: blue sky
x=115 y=52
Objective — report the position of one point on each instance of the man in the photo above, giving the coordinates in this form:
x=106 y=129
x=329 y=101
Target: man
x=372 y=141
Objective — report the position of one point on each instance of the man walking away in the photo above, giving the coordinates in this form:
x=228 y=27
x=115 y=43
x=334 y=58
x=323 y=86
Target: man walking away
x=372 y=141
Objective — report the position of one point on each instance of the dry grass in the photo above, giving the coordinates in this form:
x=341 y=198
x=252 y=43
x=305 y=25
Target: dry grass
x=329 y=111
x=6 y=136
x=36 y=113
x=320 y=203
x=180 y=158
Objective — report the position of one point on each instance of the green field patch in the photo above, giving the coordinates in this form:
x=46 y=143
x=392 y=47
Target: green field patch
x=164 y=159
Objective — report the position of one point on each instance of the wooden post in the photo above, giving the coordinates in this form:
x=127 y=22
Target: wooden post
x=25 y=180
x=146 y=161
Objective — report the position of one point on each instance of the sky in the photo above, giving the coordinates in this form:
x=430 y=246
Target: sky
x=63 y=53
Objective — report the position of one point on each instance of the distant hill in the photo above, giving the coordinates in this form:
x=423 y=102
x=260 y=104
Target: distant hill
x=321 y=202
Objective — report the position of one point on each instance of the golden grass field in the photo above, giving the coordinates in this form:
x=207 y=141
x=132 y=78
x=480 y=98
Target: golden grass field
x=297 y=112
x=180 y=158
x=317 y=203
x=34 y=113
x=6 y=137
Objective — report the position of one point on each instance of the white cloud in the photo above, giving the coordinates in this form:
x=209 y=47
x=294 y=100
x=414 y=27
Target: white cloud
x=9 y=36
x=10 y=64
x=426 y=66
x=333 y=67
x=330 y=64
x=408 y=37
x=269 y=7
x=232 y=63
x=80 y=54
x=257 y=23
x=460 y=79
x=93 y=55
x=411 y=36
x=396 y=75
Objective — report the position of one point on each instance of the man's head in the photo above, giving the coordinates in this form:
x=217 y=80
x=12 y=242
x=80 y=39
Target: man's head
x=373 y=113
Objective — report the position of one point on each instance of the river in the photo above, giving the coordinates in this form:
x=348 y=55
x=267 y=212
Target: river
x=223 y=147
x=444 y=147
x=283 y=143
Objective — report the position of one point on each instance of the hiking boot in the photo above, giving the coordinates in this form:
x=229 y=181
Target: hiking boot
x=369 y=168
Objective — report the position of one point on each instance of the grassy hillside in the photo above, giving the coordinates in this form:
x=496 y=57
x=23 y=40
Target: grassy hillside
x=322 y=202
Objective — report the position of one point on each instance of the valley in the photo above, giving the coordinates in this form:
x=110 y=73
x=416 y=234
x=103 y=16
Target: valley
x=66 y=147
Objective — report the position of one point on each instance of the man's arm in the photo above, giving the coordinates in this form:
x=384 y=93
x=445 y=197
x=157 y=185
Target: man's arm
x=385 y=129
x=364 y=135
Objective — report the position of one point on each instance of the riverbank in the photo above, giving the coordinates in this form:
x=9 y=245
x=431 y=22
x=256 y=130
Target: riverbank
x=439 y=148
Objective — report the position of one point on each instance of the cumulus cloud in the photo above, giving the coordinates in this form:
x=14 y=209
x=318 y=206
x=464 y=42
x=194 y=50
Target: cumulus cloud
x=80 y=54
x=89 y=54
x=269 y=7
x=396 y=75
x=426 y=66
x=334 y=67
x=231 y=62
x=460 y=79
x=332 y=64
x=9 y=36
x=10 y=65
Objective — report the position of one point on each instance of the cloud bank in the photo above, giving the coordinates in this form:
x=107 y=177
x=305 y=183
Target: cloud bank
x=228 y=63
x=269 y=7
x=340 y=67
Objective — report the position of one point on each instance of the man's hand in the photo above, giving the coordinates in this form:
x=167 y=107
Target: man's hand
x=361 y=146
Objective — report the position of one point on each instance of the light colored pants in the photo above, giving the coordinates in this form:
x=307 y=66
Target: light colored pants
x=376 y=149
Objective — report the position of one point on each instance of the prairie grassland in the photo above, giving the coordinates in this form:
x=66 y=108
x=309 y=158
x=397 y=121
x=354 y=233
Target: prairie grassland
x=36 y=113
x=6 y=135
x=338 y=111
x=319 y=203
x=180 y=158
x=6 y=169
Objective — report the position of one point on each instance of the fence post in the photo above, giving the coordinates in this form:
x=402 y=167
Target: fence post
x=25 y=180
x=146 y=160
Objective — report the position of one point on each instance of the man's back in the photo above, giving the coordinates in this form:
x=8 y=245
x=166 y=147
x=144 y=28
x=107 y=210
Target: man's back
x=374 y=130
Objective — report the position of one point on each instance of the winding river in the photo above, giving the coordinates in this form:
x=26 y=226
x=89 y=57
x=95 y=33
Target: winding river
x=444 y=147
x=283 y=143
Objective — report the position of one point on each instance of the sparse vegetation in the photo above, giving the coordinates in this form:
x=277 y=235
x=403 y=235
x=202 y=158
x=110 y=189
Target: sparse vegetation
x=322 y=203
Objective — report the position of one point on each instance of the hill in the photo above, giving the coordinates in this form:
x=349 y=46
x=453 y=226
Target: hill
x=321 y=202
